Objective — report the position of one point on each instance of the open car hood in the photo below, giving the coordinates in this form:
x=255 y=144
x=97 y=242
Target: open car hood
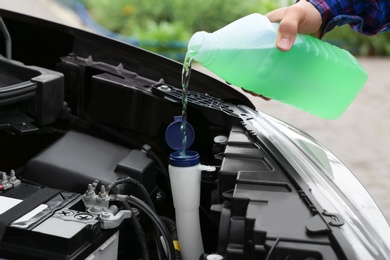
x=85 y=164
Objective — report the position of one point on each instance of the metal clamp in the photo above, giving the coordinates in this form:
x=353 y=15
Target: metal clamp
x=108 y=220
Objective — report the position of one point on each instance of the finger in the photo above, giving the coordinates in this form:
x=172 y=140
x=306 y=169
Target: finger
x=318 y=34
x=287 y=32
x=276 y=15
x=301 y=17
x=288 y=27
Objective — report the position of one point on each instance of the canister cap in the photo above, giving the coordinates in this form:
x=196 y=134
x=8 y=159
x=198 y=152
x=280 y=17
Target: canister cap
x=174 y=136
x=188 y=159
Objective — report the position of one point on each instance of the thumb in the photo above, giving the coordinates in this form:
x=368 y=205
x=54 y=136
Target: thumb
x=288 y=27
x=287 y=33
x=302 y=17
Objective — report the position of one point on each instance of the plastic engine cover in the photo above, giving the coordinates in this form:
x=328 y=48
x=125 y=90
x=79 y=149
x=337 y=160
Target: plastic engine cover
x=78 y=159
x=263 y=211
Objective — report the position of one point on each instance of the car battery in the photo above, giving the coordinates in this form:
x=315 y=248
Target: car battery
x=43 y=223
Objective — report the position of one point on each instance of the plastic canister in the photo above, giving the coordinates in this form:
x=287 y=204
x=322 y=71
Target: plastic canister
x=185 y=177
x=315 y=76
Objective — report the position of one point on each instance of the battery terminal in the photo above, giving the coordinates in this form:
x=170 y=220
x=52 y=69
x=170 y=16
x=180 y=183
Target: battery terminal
x=96 y=202
x=9 y=181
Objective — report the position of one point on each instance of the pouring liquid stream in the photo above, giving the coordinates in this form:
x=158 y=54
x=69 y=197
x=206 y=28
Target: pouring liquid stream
x=185 y=78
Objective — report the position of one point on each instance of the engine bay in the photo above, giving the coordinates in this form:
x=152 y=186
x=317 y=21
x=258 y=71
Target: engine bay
x=248 y=205
x=85 y=161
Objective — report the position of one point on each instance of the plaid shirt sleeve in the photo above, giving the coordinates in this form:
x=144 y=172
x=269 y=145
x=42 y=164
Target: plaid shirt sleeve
x=367 y=17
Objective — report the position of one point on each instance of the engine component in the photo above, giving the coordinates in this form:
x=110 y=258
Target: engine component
x=109 y=220
x=93 y=202
x=44 y=223
x=8 y=181
x=38 y=91
x=78 y=159
x=262 y=212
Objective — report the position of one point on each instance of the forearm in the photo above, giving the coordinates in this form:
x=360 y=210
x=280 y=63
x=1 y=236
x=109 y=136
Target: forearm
x=367 y=17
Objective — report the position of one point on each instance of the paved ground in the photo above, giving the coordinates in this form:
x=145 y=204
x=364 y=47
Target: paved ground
x=359 y=138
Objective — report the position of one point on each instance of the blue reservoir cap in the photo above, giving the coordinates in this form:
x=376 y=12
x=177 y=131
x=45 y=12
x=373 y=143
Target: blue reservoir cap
x=190 y=158
x=174 y=136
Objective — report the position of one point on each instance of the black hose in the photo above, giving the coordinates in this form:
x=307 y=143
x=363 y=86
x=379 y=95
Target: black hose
x=148 y=200
x=7 y=37
x=136 y=183
x=160 y=165
x=158 y=223
x=139 y=232
x=172 y=226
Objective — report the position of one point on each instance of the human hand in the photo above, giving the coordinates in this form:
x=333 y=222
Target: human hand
x=301 y=17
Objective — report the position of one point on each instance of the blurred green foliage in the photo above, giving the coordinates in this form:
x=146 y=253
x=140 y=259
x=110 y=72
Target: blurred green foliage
x=358 y=44
x=165 y=26
x=161 y=25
